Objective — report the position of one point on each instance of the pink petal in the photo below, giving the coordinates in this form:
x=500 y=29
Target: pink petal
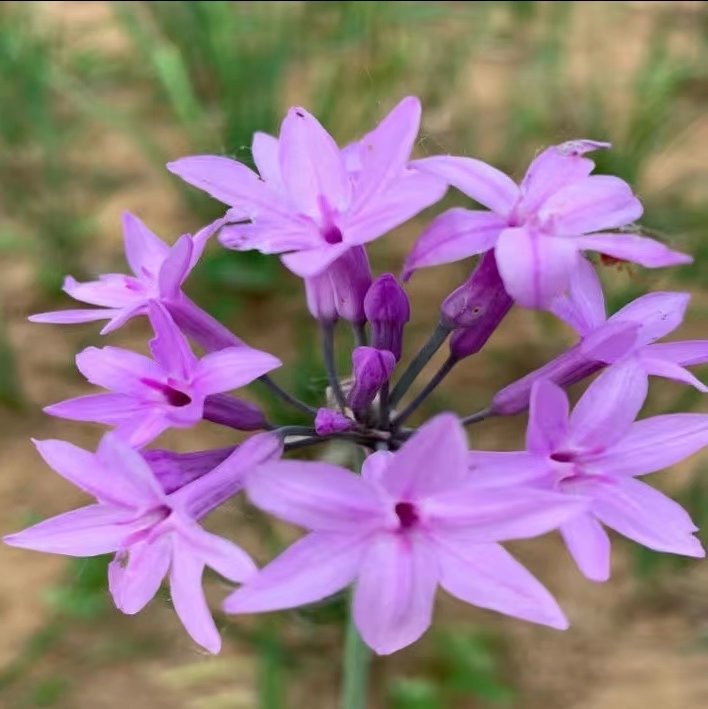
x=670 y=370
x=395 y=592
x=176 y=267
x=583 y=306
x=398 y=203
x=610 y=342
x=67 y=317
x=169 y=347
x=589 y=546
x=686 y=352
x=385 y=152
x=652 y=444
x=312 y=262
x=144 y=251
x=87 y=531
x=486 y=575
x=188 y=597
x=135 y=575
x=497 y=514
x=117 y=369
x=646 y=516
x=493 y=469
x=548 y=417
x=595 y=203
x=264 y=149
x=110 y=290
x=122 y=317
x=454 y=235
x=138 y=431
x=230 y=182
x=109 y=409
x=289 y=580
x=483 y=183
x=631 y=247
x=317 y=496
x=375 y=465
x=311 y=165
x=608 y=407
x=231 y=368
x=535 y=268
x=271 y=235
x=432 y=460
x=552 y=170
x=656 y=314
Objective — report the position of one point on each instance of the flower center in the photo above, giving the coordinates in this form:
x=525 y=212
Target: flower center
x=332 y=234
x=174 y=397
x=407 y=514
x=563 y=457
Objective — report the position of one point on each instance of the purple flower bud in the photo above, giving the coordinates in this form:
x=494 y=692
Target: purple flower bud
x=475 y=309
x=388 y=310
x=350 y=276
x=229 y=411
x=320 y=298
x=175 y=470
x=372 y=369
x=196 y=323
x=330 y=421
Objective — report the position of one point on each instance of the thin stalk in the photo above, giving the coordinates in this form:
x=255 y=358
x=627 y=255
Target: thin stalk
x=477 y=417
x=384 y=408
x=286 y=396
x=357 y=659
x=419 y=361
x=360 y=338
x=425 y=392
x=284 y=431
x=328 y=356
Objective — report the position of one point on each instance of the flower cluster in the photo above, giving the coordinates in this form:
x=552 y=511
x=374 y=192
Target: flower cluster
x=424 y=510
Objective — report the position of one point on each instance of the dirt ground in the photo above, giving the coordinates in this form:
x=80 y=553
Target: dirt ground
x=631 y=645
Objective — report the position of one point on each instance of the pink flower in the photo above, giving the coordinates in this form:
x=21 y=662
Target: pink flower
x=153 y=534
x=414 y=520
x=149 y=396
x=596 y=452
x=312 y=201
x=538 y=229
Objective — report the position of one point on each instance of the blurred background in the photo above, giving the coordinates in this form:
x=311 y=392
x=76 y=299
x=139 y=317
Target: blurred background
x=96 y=96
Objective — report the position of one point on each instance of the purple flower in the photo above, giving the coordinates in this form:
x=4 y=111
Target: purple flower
x=150 y=395
x=414 y=520
x=153 y=534
x=387 y=309
x=596 y=452
x=539 y=228
x=372 y=369
x=630 y=333
x=175 y=470
x=158 y=274
x=312 y=201
x=329 y=421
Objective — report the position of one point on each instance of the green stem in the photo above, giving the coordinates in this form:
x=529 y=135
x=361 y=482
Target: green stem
x=357 y=659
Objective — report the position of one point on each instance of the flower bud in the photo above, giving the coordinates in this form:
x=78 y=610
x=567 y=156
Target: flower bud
x=175 y=470
x=387 y=310
x=329 y=421
x=475 y=309
x=236 y=413
x=350 y=277
x=320 y=298
x=372 y=369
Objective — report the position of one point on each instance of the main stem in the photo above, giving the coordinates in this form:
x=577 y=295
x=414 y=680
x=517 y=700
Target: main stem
x=419 y=361
x=357 y=659
x=286 y=396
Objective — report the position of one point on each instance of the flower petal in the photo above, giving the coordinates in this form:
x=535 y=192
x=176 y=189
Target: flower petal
x=492 y=469
x=289 y=580
x=87 y=531
x=595 y=203
x=608 y=407
x=652 y=444
x=632 y=247
x=311 y=165
x=670 y=370
x=138 y=431
x=646 y=516
x=583 y=306
x=395 y=592
x=656 y=314
x=375 y=465
x=188 y=596
x=264 y=149
x=109 y=409
x=548 y=417
x=685 y=352
x=117 y=369
x=454 y=235
x=135 y=575
x=535 y=268
x=68 y=317
x=144 y=250
x=311 y=262
x=589 y=546
x=317 y=496
x=432 y=460
x=169 y=347
x=231 y=368
x=111 y=290
x=478 y=180
x=486 y=575
x=176 y=267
